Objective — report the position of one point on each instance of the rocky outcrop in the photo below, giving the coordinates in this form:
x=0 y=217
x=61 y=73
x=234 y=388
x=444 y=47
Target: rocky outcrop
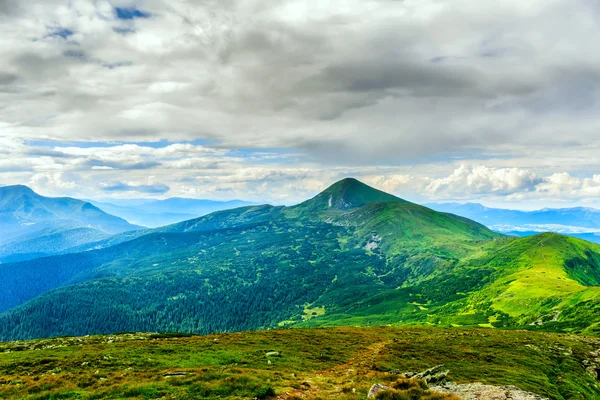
x=592 y=366
x=436 y=379
x=376 y=388
x=432 y=376
x=479 y=391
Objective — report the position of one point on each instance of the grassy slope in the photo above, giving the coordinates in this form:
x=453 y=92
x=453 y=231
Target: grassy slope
x=311 y=364
x=539 y=274
x=504 y=283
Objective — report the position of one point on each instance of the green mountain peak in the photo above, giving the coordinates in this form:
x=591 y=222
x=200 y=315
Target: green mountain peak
x=349 y=193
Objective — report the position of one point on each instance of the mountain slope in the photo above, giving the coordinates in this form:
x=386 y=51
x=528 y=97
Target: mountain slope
x=547 y=281
x=362 y=258
x=34 y=225
x=23 y=210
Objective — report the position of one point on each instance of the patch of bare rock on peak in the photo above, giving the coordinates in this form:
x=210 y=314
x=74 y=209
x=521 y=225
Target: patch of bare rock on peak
x=479 y=391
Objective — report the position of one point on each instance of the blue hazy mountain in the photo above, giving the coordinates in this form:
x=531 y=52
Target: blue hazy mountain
x=33 y=225
x=156 y=213
x=580 y=222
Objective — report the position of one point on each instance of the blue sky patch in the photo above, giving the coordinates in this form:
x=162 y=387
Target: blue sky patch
x=61 y=32
x=130 y=13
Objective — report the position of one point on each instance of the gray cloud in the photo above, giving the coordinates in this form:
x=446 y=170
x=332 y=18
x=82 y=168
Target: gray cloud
x=357 y=84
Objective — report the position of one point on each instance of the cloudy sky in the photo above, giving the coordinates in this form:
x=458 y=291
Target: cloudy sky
x=272 y=100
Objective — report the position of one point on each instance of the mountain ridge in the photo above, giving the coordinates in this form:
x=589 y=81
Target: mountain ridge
x=36 y=225
x=362 y=262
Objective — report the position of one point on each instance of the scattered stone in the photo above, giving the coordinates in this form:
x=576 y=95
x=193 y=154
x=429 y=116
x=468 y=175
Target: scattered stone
x=376 y=388
x=432 y=376
x=593 y=365
x=175 y=373
x=477 y=391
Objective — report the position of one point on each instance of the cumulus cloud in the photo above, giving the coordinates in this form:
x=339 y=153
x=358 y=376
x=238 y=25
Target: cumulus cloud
x=389 y=183
x=53 y=182
x=513 y=185
x=481 y=179
x=560 y=184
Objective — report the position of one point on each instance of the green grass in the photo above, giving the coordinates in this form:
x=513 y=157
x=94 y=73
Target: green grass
x=312 y=363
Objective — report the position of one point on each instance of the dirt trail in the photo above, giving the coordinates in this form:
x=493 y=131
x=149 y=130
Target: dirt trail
x=330 y=381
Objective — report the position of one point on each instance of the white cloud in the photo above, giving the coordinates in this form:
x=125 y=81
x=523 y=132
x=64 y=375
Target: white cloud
x=469 y=180
x=388 y=183
x=560 y=184
x=53 y=182
x=591 y=186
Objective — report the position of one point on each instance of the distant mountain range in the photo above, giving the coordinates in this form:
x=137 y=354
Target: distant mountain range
x=155 y=213
x=580 y=222
x=352 y=255
x=34 y=225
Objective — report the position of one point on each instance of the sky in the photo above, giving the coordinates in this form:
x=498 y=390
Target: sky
x=272 y=101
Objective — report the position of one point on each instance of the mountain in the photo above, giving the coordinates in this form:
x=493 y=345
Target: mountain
x=593 y=237
x=35 y=225
x=347 y=194
x=352 y=255
x=578 y=222
x=155 y=213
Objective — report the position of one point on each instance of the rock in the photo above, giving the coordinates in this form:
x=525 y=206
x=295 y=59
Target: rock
x=376 y=388
x=433 y=375
x=477 y=391
x=272 y=354
x=176 y=373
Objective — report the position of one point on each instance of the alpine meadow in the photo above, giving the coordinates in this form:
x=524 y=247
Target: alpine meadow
x=299 y=200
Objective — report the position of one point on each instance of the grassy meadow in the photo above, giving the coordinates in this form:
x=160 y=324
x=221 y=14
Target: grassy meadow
x=319 y=363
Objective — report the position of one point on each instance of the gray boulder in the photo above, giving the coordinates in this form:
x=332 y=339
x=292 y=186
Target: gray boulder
x=376 y=388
